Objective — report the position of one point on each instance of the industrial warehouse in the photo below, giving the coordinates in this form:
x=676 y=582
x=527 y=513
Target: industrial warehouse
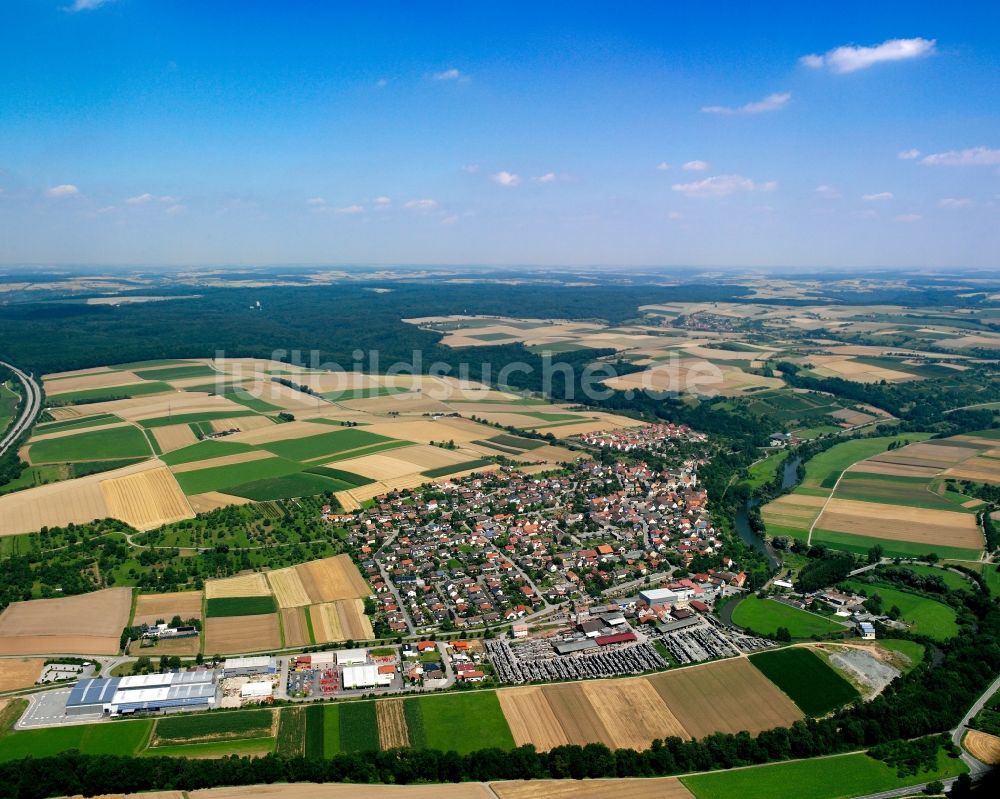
x=145 y=693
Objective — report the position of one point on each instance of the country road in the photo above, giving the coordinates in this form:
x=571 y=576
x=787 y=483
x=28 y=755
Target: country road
x=32 y=405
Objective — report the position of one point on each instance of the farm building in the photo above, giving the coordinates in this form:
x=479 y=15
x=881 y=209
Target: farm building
x=663 y=596
x=365 y=677
x=143 y=693
x=351 y=657
x=249 y=667
x=617 y=638
x=867 y=630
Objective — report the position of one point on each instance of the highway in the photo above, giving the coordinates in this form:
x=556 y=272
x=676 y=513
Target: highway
x=32 y=406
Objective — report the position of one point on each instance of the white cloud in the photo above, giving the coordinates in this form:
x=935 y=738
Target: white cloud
x=696 y=166
x=140 y=199
x=448 y=74
x=316 y=201
x=350 y=209
x=773 y=102
x=722 y=186
x=382 y=202
x=971 y=156
x=504 y=178
x=828 y=192
x=851 y=58
x=909 y=218
x=63 y=190
x=955 y=202
x=908 y=155
x=663 y=166
x=174 y=210
x=420 y=205
x=107 y=209
x=548 y=177
x=87 y=5
x=877 y=197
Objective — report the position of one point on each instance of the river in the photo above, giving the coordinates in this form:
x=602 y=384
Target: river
x=789 y=477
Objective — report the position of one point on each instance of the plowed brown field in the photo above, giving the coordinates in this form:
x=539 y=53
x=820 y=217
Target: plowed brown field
x=88 y=624
x=293 y=622
x=234 y=635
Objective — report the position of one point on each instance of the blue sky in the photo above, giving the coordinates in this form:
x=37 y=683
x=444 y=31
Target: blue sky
x=704 y=134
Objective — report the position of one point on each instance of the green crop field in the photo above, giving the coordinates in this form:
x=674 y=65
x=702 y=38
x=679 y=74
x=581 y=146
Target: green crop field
x=352 y=480
x=836 y=777
x=454 y=468
x=364 y=393
x=109 y=738
x=239 y=724
x=442 y=722
x=908 y=491
x=823 y=470
x=358 y=727
x=182 y=372
x=766 y=470
x=812 y=685
x=860 y=544
x=316 y=716
x=219 y=478
x=132 y=366
x=204 y=450
x=238 y=746
x=317 y=446
x=248 y=400
x=117 y=442
x=911 y=650
x=239 y=606
x=765 y=616
x=927 y=616
x=96 y=420
x=298 y=484
x=102 y=394
x=190 y=418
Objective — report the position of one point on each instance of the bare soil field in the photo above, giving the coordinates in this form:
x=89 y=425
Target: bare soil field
x=466 y=790
x=983 y=746
x=531 y=719
x=88 y=624
x=76 y=373
x=16 y=673
x=392 y=729
x=576 y=715
x=252 y=584
x=293 y=623
x=242 y=423
x=985 y=470
x=286 y=584
x=150 y=607
x=174 y=436
x=333 y=578
x=901 y=523
x=893 y=469
x=926 y=454
x=848 y=369
x=752 y=702
x=652 y=788
x=57 y=504
x=415 y=402
x=851 y=417
x=146 y=500
x=210 y=500
x=233 y=635
x=172 y=404
x=281 y=432
x=793 y=510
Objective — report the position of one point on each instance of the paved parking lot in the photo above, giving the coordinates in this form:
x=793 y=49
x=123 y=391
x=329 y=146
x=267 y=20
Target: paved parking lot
x=48 y=708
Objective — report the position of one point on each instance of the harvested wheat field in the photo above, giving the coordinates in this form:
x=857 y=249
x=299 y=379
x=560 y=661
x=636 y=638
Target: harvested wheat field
x=146 y=500
x=893 y=469
x=16 y=673
x=57 y=504
x=281 y=432
x=174 y=436
x=937 y=455
x=210 y=500
x=252 y=584
x=54 y=388
x=983 y=746
x=652 y=788
x=901 y=523
x=392 y=729
x=793 y=510
x=383 y=467
x=88 y=624
x=333 y=578
x=752 y=702
x=531 y=719
x=342 y=620
x=286 y=584
x=172 y=404
x=293 y=624
x=150 y=607
x=646 y=719
x=332 y=790
x=234 y=635
x=397 y=403
x=242 y=423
